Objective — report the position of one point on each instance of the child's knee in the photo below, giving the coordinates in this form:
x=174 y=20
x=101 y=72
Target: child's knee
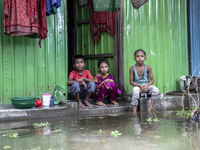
x=75 y=84
x=113 y=85
x=91 y=87
x=135 y=96
x=136 y=90
x=155 y=93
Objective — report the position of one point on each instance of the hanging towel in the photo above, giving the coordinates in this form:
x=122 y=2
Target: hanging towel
x=43 y=21
x=21 y=17
x=100 y=21
x=51 y=6
x=83 y=2
x=138 y=3
x=106 y=5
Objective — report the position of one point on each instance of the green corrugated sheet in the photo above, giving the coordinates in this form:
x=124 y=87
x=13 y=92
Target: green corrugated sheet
x=26 y=69
x=85 y=42
x=160 y=28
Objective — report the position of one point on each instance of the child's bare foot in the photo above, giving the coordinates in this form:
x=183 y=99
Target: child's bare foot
x=114 y=102
x=86 y=103
x=100 y=103
x=80 y=104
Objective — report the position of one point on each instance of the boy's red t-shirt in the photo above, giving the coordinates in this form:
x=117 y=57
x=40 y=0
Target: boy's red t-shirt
x=75 y=75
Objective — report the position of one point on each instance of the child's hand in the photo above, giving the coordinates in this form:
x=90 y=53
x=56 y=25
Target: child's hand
x=80 y=80
x=145 y=88
x=108 y=80
x=111 y=80
x=85 y=85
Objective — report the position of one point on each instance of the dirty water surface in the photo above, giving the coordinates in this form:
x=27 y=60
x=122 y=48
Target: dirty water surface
x=125 y=131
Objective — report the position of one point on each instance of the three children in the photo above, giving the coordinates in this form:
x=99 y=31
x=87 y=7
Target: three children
x=103 y=83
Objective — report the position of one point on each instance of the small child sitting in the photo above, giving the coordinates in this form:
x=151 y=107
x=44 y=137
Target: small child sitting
x=139 y=78
x=77 y=87
x=105 y=85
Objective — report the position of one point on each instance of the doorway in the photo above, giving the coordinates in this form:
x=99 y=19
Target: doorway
x=80 y=42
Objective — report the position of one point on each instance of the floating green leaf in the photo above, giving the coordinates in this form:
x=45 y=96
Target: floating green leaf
x=101 y=131
x=115 y=134
x=7 y=147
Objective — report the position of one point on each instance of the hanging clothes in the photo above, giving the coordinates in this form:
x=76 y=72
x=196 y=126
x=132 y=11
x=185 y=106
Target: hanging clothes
x=51 y=6
x=83 y=2
x=138 y=3
x=43 y=21
x=106 y=5
x=21 y=17
x=25 y=17
x=100 y=21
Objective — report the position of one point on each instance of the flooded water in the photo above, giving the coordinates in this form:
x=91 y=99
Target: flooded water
x=83 y=133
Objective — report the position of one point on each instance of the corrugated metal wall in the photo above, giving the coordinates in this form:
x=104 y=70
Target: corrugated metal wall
x=194 y=25
x=26 y=69
x=160 y=28
x=85 y=42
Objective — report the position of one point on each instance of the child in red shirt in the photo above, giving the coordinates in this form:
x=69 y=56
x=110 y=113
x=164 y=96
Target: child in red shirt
x=77 y=86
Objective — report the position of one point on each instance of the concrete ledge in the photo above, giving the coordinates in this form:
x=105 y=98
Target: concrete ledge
x=109 y=108
x=105 y=101
x=66 y=108
x=163 y=103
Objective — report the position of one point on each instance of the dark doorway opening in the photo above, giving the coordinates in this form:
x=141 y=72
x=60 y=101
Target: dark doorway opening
x=70 y=33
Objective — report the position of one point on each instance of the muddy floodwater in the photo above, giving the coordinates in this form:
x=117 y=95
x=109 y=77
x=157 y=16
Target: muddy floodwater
x=93 y=133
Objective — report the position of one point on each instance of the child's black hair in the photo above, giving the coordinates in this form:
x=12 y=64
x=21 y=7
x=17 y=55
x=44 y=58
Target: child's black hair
x=140 y=50
x=78 y=57
x=103 y=61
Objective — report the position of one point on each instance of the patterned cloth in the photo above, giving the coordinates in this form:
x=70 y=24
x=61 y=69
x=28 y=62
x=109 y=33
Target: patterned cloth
x=107 y=89
x=25 y=17
x=138 y=3
x=21 y=17
x=100 y=21
x=106 y=5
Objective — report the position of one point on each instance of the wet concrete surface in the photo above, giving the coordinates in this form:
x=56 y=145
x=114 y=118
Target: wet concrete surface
x=69 y=107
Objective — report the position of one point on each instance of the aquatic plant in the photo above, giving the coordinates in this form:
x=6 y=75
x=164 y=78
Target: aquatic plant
x=14 y=135
x=149 y=119
x=115 y=134
x=42 y=124
x=156 y=120
x=101 y=131
x=7 y=147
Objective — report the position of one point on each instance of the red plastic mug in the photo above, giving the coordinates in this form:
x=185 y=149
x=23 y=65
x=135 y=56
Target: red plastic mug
x=38 y=103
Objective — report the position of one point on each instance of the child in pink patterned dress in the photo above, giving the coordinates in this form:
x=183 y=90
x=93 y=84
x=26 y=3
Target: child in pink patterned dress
x=105 y=85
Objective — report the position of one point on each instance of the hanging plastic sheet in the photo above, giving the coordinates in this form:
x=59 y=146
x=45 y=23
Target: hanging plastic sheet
x=138 y=3
x=106 y=5
x=83 y=2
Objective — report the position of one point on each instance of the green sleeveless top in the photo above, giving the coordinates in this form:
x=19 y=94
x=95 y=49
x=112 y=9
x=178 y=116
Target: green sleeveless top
x=141 y=81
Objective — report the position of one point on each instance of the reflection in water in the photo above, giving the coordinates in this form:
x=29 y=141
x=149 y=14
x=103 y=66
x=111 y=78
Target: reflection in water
x=80 y=133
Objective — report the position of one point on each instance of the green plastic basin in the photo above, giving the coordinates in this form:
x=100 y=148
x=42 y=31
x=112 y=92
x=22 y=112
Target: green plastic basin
x=23 y=102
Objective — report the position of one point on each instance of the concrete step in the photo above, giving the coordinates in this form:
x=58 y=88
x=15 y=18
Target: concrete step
x=108 y=109
x=65 y=108
x=105 y=101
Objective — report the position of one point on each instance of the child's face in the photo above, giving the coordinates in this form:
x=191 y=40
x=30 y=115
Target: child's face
x=140 y=58
x=79 y=64
x=103 y=68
